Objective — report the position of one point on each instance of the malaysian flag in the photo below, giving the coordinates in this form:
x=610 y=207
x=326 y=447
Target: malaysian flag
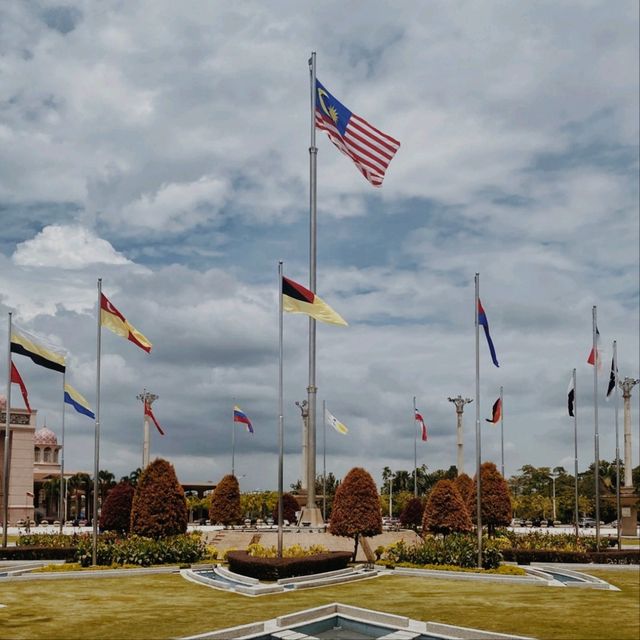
x=368 y=147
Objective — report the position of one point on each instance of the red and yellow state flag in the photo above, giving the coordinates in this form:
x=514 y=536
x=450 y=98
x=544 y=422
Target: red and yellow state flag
x=111 y=318
x=298 y=299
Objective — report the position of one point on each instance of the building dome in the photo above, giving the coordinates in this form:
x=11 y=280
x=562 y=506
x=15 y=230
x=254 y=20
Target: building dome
x=45 y=436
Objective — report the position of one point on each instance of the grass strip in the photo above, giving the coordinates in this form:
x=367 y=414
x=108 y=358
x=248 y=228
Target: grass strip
x=167 y=606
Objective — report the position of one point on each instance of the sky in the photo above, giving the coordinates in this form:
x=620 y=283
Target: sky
x=163 y=147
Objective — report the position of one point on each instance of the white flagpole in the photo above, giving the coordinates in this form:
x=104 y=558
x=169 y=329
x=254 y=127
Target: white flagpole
x=596 y=438
x=618 y=505
x=61 y=488
x=502 y=432
x=415 y=451
x=7 y=441
x=312 y=389
x=96 y=455
x=575 y=453
x=233 y=442
x=478 y=438
x=280 y=414
x=324 y=460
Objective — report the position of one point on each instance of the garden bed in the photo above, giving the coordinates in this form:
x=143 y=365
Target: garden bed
x=271 y=569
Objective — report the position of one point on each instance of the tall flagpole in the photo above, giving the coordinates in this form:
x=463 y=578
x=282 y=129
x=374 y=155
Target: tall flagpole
x=96 y=454
x=280 y=414
x=415 y=451
x=61 y=515
x=233 y=443
x=324 y=460
x=478 y=439
x=501 y=432
x=7 y=441
x=312 y=389
x=596 y=438
x=575 y=454
x=618 y=505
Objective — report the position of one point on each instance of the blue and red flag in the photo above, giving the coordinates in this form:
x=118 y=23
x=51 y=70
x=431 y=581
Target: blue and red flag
x=240 y=416
x=482 y=320
x=496 y=412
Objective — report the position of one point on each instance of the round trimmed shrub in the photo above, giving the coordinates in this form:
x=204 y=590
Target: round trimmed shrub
x=225 y=502
x=445 y=511
x=116 y=509
x=289 y=508
x=159 y=506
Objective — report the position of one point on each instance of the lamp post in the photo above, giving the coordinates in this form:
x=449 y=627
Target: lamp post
x=459 y=402
x=553 y=475
x=390 y=498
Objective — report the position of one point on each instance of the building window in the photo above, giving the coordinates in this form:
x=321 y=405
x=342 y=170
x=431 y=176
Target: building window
x=37 y=454
x=55 y=456
x=47 y=455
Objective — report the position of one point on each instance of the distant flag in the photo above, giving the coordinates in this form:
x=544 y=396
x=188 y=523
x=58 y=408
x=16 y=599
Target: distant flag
x=496 y=412
x=423 y=426
x=240 y=416
x=148 y=412
x=571 y=397
x=482 y=320
x=77 y=401
x=28 y=345
x=612 y=378
x=369 y=148
x=335 y=423
x=592 y=354
x=298 y=299
x=111 y=318
x=17 y=379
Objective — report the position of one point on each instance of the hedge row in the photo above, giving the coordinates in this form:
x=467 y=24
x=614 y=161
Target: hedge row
x=39 y=553
x=527 y=556
x=275 y=568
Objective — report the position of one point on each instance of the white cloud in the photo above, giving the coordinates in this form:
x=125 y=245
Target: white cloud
x=68 y=247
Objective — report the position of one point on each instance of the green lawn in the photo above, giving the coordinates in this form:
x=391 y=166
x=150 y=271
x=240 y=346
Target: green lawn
x=166 y=606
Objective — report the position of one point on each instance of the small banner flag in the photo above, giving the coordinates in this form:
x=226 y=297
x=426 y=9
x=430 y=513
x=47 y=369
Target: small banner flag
x=571 y=398
x=612 y=378
x=335 y=423
x=423 y=426
x=77 y=401
x=148 y=412
x=496 y=412
x=16 y=378
x=240 y=416
x=482 y=320
x=369 y=148
x=595 y=352
x=298 y=299
x=25 y=344
x=111 y=318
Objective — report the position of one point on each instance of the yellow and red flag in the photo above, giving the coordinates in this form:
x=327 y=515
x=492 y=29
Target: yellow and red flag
x=111 y=318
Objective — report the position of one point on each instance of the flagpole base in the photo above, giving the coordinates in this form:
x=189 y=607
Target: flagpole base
x=629 y=515
x=311 y=517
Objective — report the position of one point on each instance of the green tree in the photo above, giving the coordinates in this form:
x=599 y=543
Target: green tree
x=116 y=509
x=445 y=511
x=159 y=506
x=356 y=508
x=225 y=502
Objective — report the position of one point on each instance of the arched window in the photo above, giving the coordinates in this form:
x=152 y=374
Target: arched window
x=55 y=455
x=47 y=455
x=37 y=453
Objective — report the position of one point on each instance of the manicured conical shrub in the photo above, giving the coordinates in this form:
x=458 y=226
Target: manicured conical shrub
x=411 y=516
x=289 y=508
x=159 y=506
x=495 y=498
x=445 y=511
x=225 y=502
x=116 y=509
x=356 y=508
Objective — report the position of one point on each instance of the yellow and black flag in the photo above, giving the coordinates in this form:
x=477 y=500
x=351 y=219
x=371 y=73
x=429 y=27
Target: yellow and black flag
x=298 y=299
x=25 y=344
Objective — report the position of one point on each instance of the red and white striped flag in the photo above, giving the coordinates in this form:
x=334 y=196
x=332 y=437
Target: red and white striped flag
x=148 y=412
x=370 y=149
